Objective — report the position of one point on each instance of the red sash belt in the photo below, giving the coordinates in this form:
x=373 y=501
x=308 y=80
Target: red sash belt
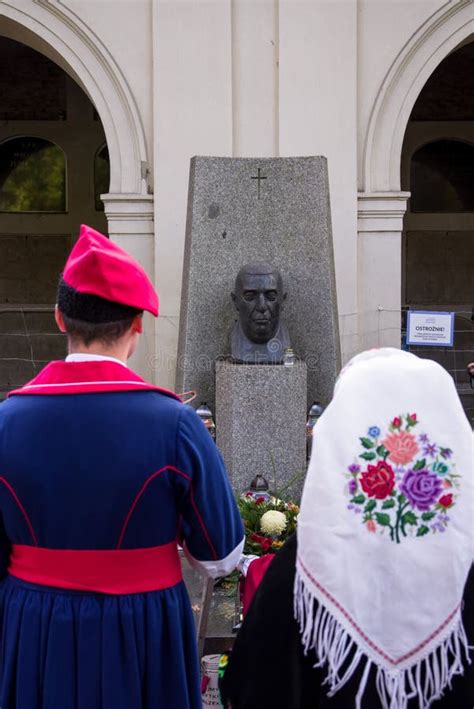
x=118 y=571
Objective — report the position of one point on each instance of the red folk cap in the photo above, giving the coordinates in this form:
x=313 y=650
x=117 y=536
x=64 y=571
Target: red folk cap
x=97 y=266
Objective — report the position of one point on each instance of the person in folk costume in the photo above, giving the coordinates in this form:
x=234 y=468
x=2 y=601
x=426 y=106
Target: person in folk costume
x=371 y=604
x=101 y=474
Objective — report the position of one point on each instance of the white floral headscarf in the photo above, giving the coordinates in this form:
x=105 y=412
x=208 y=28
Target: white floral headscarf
x=386 y=529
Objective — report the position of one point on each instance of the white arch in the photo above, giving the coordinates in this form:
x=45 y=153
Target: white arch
x=55 y=30
x=418 y=59
x=50 y=27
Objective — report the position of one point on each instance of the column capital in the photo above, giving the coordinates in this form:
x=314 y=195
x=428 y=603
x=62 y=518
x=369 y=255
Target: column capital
x=381 y=211
x=129 y=213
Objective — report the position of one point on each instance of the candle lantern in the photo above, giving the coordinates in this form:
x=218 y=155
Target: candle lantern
x=206 y=416
x=259 y=488
x=314 y=413
x=289 y=357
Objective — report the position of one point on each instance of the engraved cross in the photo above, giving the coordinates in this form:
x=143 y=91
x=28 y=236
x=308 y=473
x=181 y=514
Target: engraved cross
x=258 y=177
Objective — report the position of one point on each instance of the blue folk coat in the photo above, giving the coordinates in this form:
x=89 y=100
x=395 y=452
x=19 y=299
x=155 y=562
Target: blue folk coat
x=93 y=458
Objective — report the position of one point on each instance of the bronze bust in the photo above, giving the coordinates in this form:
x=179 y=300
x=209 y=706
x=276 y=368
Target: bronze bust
x=259 y=336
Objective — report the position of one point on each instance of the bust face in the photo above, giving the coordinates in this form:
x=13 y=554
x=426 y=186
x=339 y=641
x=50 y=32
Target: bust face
x=258 y=299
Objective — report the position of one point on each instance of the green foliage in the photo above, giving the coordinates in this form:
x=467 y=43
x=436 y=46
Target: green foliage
x=367 y=442
x=371 y=505
x=37 y=180
x=388 y=504
x=382 y=452
x=383 y=519
x=358 y=499
x=409 y=518
x=422 y=531
x=281 y=493
x=420 y=464
x=368 y=456
x=426 y=516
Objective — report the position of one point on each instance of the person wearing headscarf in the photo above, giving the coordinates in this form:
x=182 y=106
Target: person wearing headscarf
x=101 y=474
x=371 y=605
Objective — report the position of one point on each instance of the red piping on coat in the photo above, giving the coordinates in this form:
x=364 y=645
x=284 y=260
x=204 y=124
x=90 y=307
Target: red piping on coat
x=193 y=502
x=21 y=508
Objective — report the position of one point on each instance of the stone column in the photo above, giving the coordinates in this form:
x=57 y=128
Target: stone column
x=131 y=226
x=380 y=227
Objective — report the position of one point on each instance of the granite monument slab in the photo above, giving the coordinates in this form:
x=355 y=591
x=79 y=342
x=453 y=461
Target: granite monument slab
x=243 y=210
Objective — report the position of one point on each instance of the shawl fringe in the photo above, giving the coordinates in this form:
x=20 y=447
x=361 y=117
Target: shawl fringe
x=425 y=680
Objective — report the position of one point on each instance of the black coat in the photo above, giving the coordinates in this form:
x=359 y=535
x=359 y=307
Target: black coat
x=268 y=669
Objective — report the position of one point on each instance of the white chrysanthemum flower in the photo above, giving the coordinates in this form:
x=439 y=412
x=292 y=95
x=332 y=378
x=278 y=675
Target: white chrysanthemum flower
x=273 y=522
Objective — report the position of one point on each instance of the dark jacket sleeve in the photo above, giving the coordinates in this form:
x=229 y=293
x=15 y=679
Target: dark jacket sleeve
x=212 y=529
x=267 y=663
x=268 y=668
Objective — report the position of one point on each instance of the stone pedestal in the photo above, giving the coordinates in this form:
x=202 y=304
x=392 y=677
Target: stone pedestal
x=260 y=419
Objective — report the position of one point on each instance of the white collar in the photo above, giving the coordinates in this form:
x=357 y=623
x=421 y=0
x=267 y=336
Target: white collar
x=86 y=357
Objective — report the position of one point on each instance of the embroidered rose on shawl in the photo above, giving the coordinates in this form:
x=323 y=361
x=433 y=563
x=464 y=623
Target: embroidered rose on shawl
x=421 y=488
x=378 y=480
x=401 y=491
x=446 y=501
x=402 y=447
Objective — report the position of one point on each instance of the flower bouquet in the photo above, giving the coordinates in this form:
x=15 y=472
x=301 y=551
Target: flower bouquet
x=267 y=522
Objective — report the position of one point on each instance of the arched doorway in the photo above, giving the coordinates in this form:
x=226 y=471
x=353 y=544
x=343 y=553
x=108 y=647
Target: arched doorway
x=51 y=179
x=58 y=32
x=437 y=168
x=382 y=203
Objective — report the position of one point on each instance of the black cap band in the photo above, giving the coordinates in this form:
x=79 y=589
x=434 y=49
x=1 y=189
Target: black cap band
x=91 y=308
